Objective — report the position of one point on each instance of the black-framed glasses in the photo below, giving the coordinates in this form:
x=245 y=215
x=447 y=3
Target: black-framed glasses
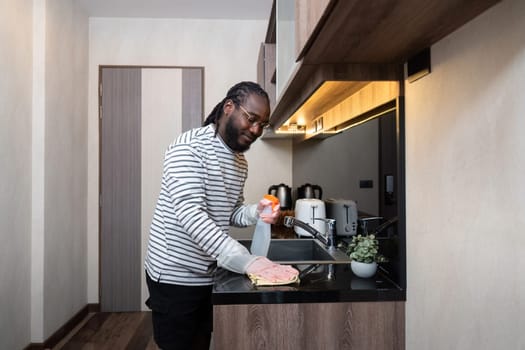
x=253 y=120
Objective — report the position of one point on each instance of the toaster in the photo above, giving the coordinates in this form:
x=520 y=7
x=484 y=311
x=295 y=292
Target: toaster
x=308 y=210
x=344 y=212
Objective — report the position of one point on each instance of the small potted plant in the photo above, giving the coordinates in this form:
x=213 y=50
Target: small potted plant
x=364 y=252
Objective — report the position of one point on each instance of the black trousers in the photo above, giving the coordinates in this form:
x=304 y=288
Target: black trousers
x=182 y=315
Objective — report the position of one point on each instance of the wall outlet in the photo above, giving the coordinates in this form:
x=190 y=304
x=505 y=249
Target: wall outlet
x=366 y=183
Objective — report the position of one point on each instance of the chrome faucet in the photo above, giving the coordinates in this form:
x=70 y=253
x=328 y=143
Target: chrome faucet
x=328 y=238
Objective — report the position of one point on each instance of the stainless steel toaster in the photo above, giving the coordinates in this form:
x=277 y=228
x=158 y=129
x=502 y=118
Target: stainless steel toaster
x=344 y=212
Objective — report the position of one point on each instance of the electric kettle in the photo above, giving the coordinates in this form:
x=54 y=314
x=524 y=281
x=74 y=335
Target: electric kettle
x=309 y=191
x=284 y=193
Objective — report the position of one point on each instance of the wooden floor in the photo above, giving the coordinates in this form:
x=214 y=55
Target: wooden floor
x=115 y=331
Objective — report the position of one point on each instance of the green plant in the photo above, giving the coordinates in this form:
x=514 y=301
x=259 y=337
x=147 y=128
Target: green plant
x=365 y=249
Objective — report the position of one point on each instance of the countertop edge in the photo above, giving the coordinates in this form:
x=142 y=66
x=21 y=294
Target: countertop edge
x=300 y=297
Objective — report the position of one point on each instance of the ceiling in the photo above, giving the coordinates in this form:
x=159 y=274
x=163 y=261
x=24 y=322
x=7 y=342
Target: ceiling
x=210 y=9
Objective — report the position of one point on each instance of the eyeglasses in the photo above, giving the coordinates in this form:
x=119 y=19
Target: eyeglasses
x=253 y=120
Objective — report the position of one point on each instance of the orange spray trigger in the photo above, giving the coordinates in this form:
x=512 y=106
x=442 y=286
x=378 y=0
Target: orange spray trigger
x=273 y=199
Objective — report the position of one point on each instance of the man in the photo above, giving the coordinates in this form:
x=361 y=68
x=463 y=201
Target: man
x=201 y=196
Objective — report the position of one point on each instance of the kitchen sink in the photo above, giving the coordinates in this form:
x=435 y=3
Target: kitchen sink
x=301 y=251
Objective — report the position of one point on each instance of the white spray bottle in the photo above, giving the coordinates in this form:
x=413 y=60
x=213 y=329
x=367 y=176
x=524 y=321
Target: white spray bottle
x=263 y=231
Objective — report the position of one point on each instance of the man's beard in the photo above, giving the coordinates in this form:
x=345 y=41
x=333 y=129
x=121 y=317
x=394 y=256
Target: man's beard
x=232 y=138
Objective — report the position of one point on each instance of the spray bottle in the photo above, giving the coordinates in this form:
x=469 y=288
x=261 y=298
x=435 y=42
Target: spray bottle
x=263 y=231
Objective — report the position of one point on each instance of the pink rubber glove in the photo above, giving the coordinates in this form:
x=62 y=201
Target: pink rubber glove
x=270 y=271
x=273 y=216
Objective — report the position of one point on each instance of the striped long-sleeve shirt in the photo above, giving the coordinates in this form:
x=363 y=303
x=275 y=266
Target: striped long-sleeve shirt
x=201 y=196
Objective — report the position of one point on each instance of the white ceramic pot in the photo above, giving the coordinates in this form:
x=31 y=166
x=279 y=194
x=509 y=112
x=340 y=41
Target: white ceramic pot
x=364 y=270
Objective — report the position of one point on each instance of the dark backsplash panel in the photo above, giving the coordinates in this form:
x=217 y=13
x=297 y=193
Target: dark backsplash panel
x=369 y=152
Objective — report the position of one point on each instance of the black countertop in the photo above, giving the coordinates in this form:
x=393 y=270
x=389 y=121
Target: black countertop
x=325 y=284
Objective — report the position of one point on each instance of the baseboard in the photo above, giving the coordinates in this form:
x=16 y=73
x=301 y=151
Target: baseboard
x=93 y=307
x=63 y=331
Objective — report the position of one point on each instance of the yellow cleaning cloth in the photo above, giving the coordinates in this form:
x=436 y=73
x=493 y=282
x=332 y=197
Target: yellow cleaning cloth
x=259 y=281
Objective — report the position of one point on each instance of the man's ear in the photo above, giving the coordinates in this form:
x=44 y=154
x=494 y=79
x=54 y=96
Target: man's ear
x=228 y=107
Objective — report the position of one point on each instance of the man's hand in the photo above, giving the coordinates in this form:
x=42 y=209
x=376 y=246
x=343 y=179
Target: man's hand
x=270 y=271
x=271 y=215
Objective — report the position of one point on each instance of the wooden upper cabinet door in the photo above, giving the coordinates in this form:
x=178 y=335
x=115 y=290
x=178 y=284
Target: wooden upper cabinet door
x=266 y=70
x=308 y=15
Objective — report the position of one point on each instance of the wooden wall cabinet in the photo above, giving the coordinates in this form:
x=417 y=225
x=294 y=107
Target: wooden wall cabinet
x=365 y=99
x=296 y=22
x=333 y=37
x=310 y=15
x=387 y=31
x=266 y=70
x=319 y=89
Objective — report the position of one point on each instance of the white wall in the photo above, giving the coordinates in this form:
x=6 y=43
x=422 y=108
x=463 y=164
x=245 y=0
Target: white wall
x=38 y=146
x=43 y=182
x=65 y=174
x=228 y=51
x=16 y=28
x=465 y=162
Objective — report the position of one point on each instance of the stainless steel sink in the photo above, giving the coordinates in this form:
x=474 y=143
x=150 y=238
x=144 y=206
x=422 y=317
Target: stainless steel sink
x=302 y=251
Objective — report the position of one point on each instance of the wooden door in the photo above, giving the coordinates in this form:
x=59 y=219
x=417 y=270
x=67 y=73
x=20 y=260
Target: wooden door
x=143 y=109
x=120 y=194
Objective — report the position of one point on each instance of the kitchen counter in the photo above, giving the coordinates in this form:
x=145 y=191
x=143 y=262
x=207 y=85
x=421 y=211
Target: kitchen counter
x=340 y=312
x=331 y=283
